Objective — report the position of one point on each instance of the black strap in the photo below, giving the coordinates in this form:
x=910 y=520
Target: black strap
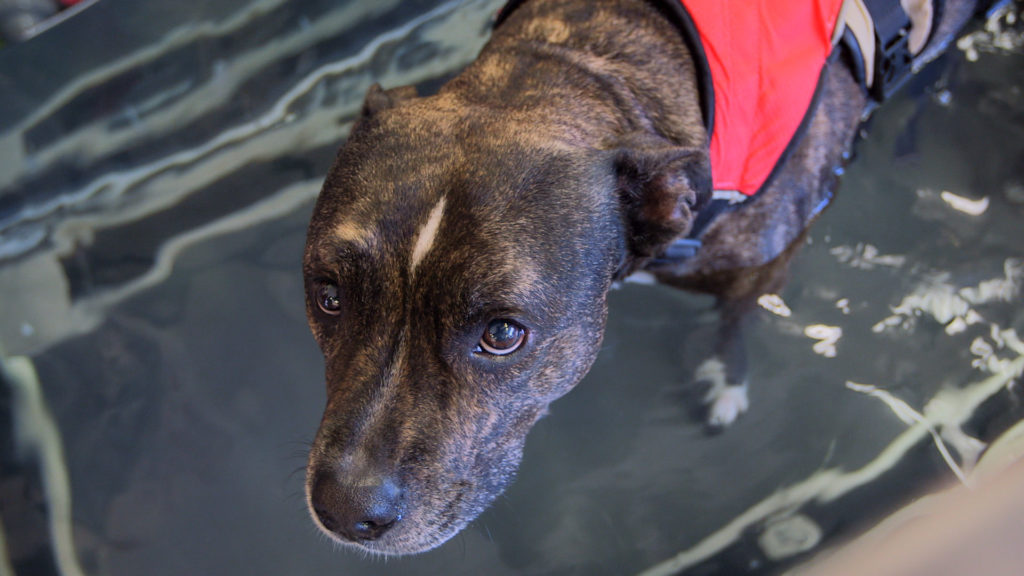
x=893 y=62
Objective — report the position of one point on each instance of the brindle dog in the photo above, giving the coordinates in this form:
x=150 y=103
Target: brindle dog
x=460 y=253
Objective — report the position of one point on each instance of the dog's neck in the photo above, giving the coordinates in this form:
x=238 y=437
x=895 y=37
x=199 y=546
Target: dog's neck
x=621 y=68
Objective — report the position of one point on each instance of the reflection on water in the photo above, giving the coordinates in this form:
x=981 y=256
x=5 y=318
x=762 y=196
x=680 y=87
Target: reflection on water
x=160 y=385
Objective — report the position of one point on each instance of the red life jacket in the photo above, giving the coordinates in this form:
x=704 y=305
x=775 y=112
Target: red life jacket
x=765 y=58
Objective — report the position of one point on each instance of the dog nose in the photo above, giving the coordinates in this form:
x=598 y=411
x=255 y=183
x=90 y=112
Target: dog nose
x=360 y=508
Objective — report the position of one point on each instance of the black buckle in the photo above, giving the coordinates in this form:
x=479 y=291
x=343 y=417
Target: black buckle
x=893 y=65
x=893 y=62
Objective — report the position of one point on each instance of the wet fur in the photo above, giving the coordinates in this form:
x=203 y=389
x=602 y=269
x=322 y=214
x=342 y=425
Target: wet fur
x=569 y=153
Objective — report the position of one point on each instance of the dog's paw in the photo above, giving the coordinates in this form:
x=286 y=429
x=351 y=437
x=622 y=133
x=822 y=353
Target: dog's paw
x=728 y=405
x=725 y=401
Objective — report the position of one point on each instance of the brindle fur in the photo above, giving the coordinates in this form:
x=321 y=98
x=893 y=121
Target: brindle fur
x=569 y=153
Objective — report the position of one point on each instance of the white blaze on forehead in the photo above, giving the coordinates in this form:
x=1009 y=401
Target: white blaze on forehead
x=427 y=235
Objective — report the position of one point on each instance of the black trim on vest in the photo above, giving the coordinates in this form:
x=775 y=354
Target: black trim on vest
x=676 y=13
x=798 y=136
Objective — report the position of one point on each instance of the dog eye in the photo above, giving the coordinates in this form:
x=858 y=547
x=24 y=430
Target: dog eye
x=327 y=298
x=502 y=337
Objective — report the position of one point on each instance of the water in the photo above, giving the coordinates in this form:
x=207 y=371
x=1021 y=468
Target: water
x=154 y=190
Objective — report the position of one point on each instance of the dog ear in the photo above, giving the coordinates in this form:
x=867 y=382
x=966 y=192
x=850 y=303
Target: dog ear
x=661 y=185
x=378 y=99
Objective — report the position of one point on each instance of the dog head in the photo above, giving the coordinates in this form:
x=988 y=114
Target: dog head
x=456 y=270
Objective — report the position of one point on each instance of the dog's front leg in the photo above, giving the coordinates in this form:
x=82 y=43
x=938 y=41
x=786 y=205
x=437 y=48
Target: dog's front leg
x=725 y=373
x=738 y=292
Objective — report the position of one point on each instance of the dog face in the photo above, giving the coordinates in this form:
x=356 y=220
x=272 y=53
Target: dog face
x=456 y=269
